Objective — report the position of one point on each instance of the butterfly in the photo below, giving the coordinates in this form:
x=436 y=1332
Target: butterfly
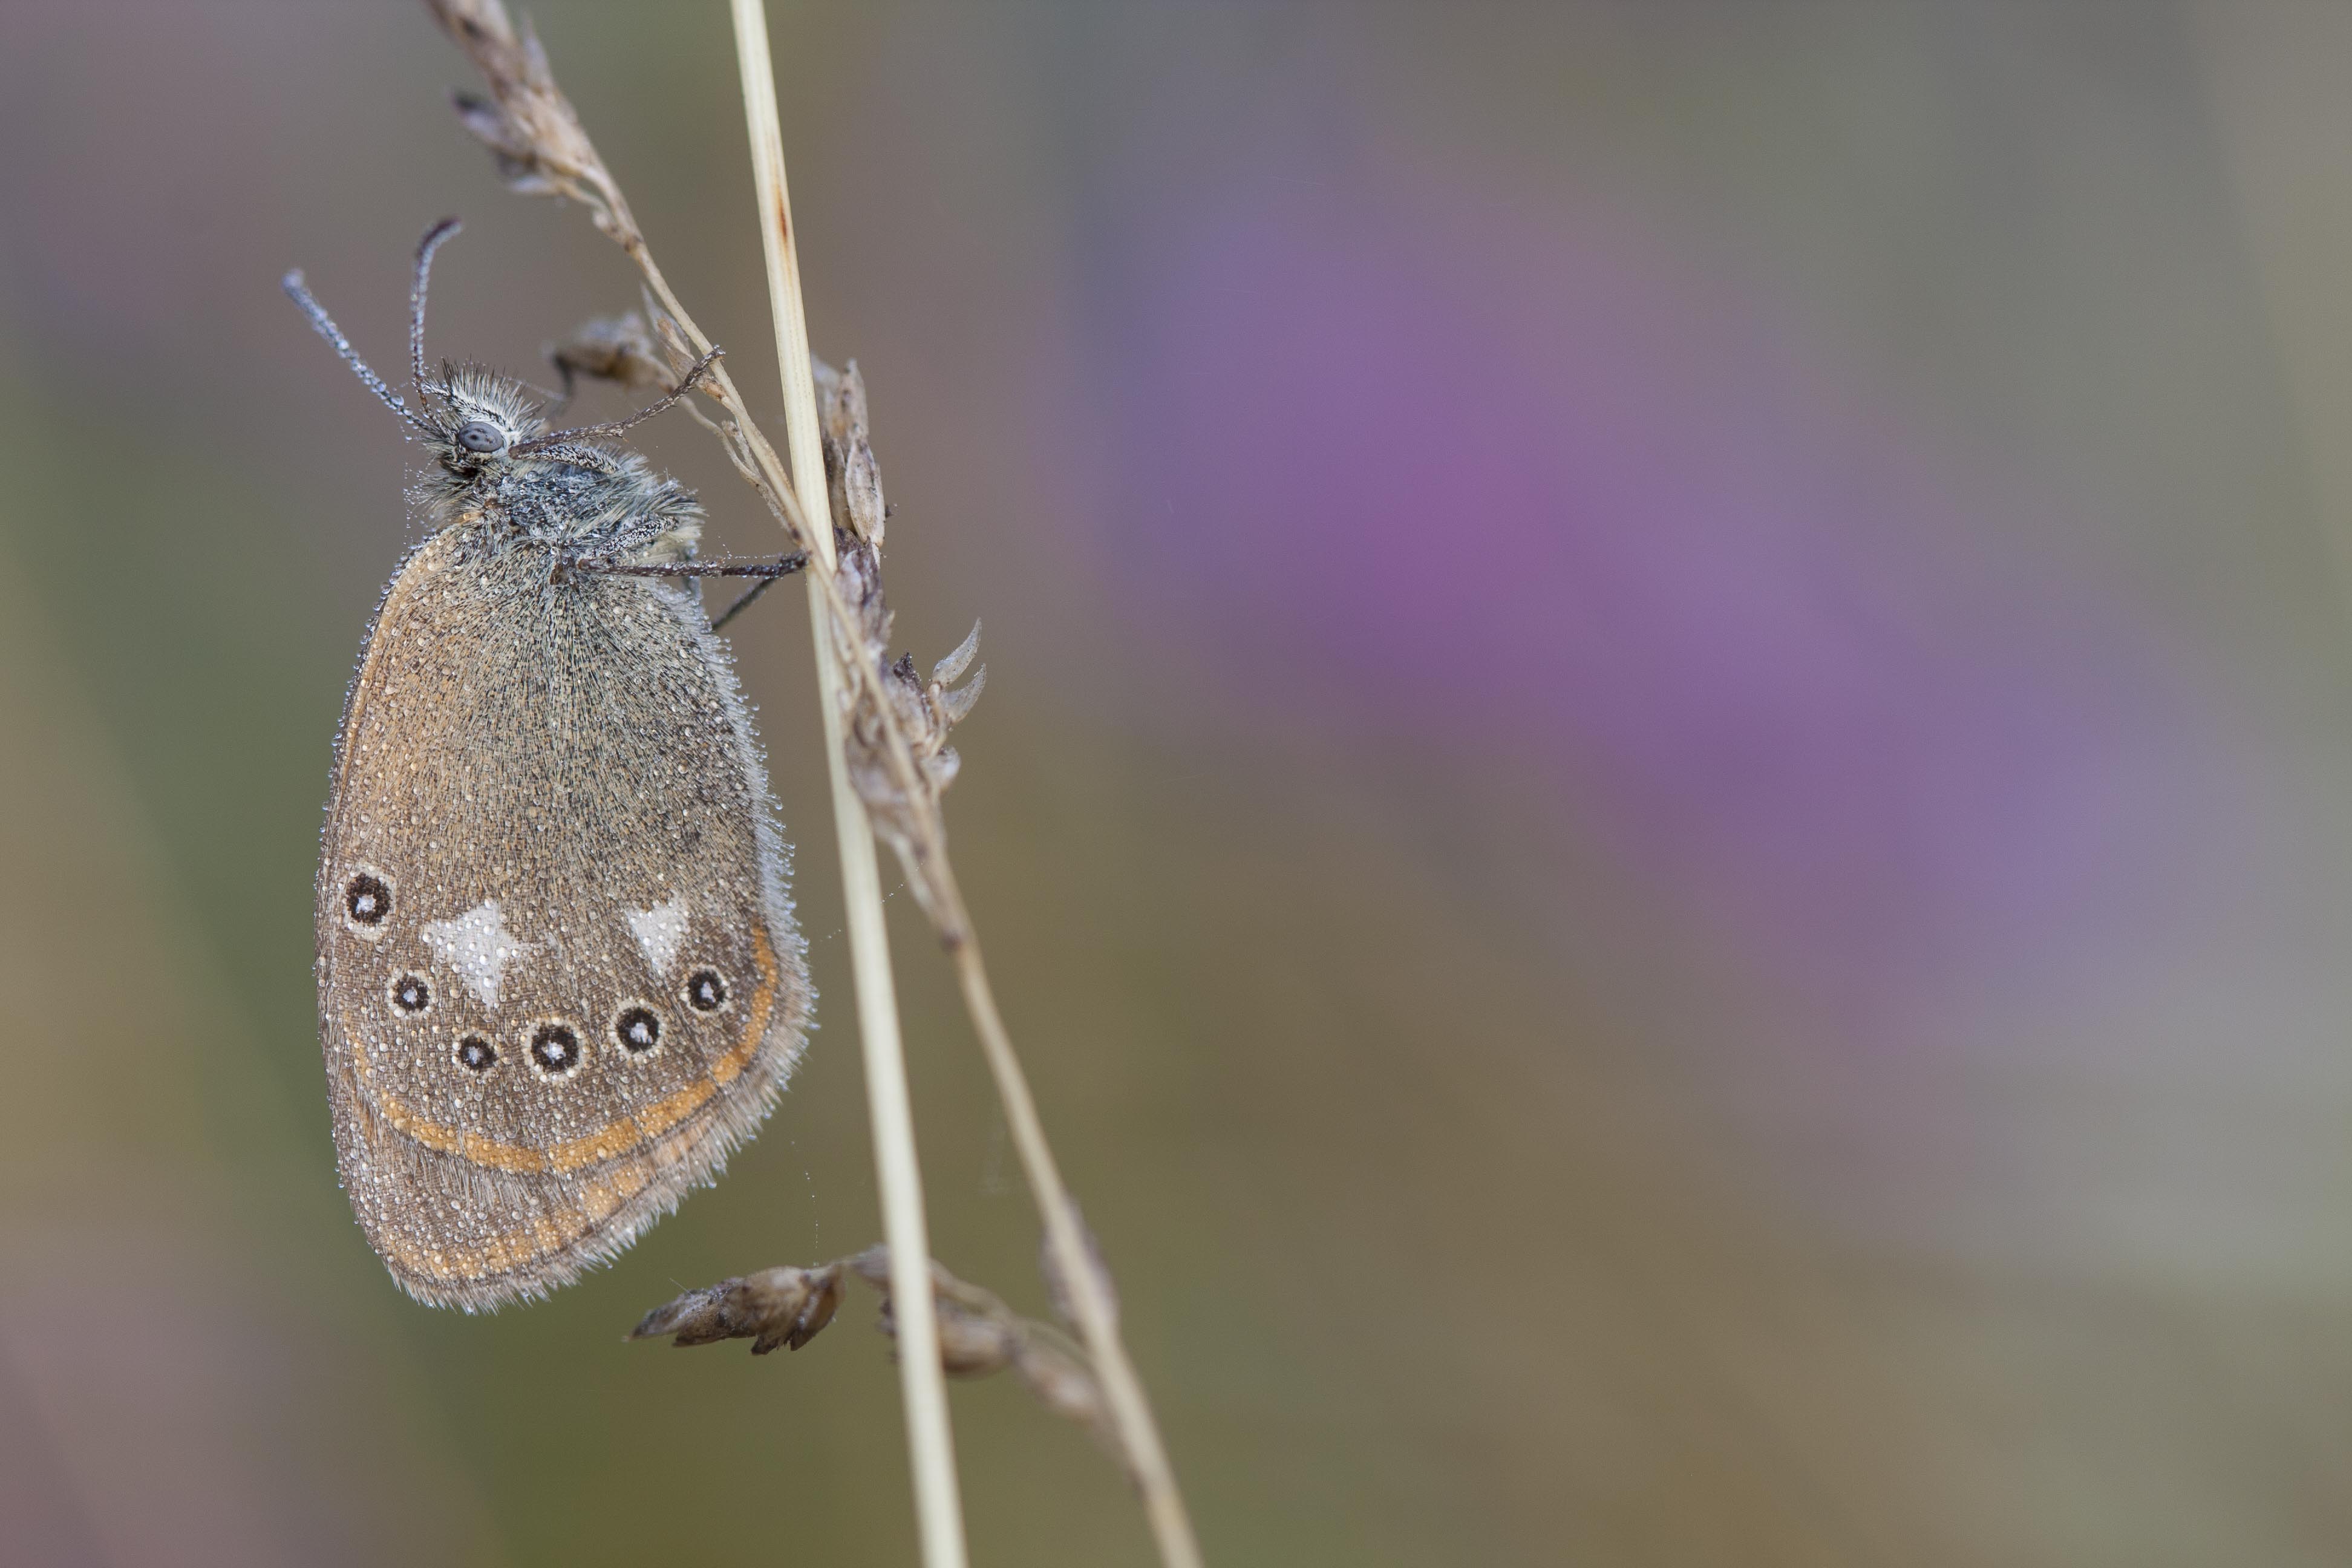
x=559 y=977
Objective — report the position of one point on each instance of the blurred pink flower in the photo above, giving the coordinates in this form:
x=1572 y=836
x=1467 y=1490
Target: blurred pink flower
x=1507 y=480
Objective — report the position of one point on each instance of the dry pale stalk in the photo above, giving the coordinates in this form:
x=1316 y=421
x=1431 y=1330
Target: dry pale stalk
x=929 y=1436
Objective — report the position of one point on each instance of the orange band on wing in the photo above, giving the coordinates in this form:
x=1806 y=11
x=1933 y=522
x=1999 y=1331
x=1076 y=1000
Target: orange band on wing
x=615 y=1137
x=510 y=1250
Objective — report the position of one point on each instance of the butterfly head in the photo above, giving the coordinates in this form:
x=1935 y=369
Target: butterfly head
x=476 y=420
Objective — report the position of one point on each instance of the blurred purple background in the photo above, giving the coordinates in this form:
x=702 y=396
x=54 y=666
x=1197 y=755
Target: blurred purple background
x=1662 y=797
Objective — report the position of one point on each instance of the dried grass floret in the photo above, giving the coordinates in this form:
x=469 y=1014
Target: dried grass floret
x=980 y=1336
x=618 y=349
x=776 y=1308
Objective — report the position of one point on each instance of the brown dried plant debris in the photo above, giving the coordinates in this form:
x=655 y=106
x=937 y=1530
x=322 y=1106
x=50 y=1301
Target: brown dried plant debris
x=776 y=1307
x=979 y=1335
x=618 y=349
x=921 y=712
x=527 y=123
x=850 y=474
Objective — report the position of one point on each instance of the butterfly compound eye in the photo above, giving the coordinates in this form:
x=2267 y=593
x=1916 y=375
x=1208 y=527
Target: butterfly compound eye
x=480 y=436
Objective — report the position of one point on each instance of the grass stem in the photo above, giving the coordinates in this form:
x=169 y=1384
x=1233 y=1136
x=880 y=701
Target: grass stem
x=930 y=1441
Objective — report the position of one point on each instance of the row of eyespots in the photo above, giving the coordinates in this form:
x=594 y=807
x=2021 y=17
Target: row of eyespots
x=636 y=1028
x=555 y=1047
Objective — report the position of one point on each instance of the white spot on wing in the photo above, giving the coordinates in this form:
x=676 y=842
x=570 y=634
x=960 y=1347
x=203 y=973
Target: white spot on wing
x=660 y=932
x=477 y=945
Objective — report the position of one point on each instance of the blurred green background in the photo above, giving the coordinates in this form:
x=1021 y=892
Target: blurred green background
x=1662 y=799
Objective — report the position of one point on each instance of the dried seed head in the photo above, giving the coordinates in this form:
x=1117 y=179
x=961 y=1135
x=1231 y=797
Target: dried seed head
x=900 y=760
x=528 y=124
x=979 y=1334
x=920 y=716
x=852 y=478
x=774 y=1306
x=971 y=1343
x=618 y=349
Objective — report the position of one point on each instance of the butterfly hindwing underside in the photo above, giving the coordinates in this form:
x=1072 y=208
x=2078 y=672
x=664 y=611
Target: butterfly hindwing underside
x=557 y=975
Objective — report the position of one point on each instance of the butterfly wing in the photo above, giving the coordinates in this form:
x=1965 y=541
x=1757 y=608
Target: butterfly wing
x=559 y=979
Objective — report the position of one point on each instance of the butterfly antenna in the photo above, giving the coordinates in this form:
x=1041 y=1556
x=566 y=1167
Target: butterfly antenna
x=693 y=378
x=432 y=241
x=327 y=329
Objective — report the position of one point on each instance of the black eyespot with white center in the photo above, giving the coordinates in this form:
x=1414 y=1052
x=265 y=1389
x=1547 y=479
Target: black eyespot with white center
x=367 y=902
x=411 y=994
x=555 y=1048
x=636 y=1029
x=704 y=991
x=476 y=1054
x=480 y=438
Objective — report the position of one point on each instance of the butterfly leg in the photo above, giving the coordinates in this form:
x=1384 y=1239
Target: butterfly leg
x=768 y=571
x=783 y=567
x=743 y=601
